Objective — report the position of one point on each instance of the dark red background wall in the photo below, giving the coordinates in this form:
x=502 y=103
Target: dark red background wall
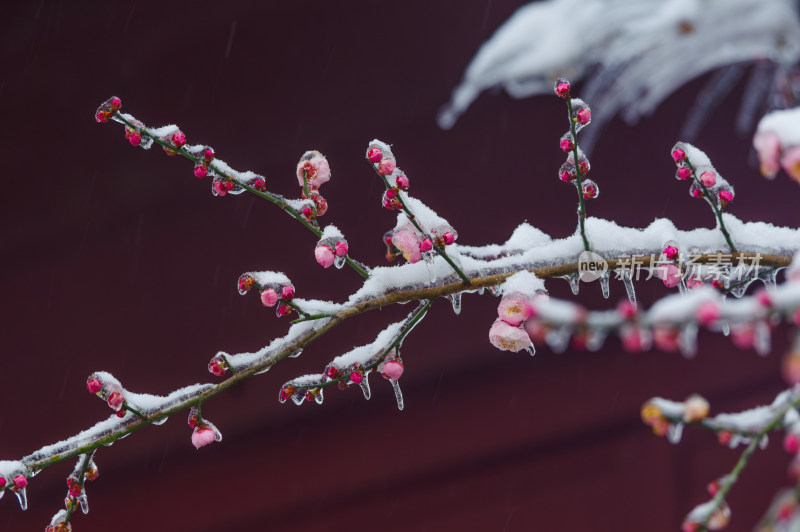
x=118 y=259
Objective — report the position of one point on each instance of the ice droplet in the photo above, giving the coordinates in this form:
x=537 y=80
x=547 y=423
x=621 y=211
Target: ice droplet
x=495 y=290
x=674 y=433
x=764 y=442
x=688 y=340
x=298 y=398
x=22 y=497
x=429 y=258
x=146 y=142
x=769 y=278
x=481 y=291
x=318 y=398
x=595 y=340
x=397 y=394
x=455 y=300
x=763 y=340
x=627 y=280
x=558 y=339
x=296 y=353
x=339 y=262
x=531 y=349
x=574 y=282
x=364 y=385
x=726 y=327
x=84 y=502
x=604 y=284
x=160 y=421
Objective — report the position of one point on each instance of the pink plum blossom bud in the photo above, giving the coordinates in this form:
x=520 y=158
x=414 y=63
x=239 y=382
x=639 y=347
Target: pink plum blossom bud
x=402 y=182
x=245 y=282
x=566 y=145
x=562 y=88
x=448 y=238
x=115 y=103
x=228 y=185
x=707 y=313
x=219 y=188
x=632 y=340
x=386 y=166
x=669 y=274
x=93 y=385
x=684 y=173
x=583 y=116
x=315 y=168
x=356 y=377
x=287 y=292
x=178 y=139
x=392 y=370
x=217 y=367
x=269 y=297
x=200 y=171
x=514 y=311
x=115 y=400
x=406 y=241
x=20 y=481
x=790 y=161
x=340 y=249
x=697 y=193
x=374 y=155
x=678 y=155
x=208 y=155
x=2 y=483
x=324 y=256
x=725 y=197
x=426 y=245
x=589 y=191
x=768 y=147
x=695 y=408
x=566 y=176
x=709 y=179
x=203 y=436
x=75 y=489
x=791 y=443
x=671 y=252
x=507 y=338
x=260 y=184
x=135 y=138
x=333 y=372
x=283 y=310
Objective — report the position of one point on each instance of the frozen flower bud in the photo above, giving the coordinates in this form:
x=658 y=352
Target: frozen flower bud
x=671 y=252
x=678 y=155
x=283 y=310
x=2 y=482
x=583 y=116
x=566 y=145
x=115 y=400
x=208 y=155
x=315 y=168
x=683 y=173
x=333 y=372
x=707 y=313
x=217 y=367
x=269 y=297
x=340 y=249
x=448 y=238
x=374 y=155
x=245 y=282
x=791 y=443
x=114 y=103
x=695 y=408
x=93 y=385
x=75 y=489
x=725 y=197
x=20 y=481
x=768 y=147
x=178 y=139
x=287 y=292
x=426 y=245
x=669 y=274
x=507 y=338
x=356 y=377
x=402 y=182
x=561 y=88
x=514 y=311
x=324 y=256
x=590 y=189
x=632 y=339
x=260 y=185
x=386 y=166
x=567 y=176
x=202 y=437
x=392 y=370
x=219 y=188
x=709 y=179
x=200 y=171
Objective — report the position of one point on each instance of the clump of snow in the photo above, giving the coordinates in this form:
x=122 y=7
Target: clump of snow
x=784 y=123
x=364 y=353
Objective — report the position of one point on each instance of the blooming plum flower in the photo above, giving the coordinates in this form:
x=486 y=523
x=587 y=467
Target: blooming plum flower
x=508 y=338
x=514 y=311
x=314 y=166
x=203 y=436
x=407 y=242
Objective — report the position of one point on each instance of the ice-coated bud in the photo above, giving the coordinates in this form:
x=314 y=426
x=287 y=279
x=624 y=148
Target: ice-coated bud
x=219 y=188
x=93 y=385
x=561 y=88
x=245 y=282
x=217 y=367
x=671 y=252
x=374 y=155
x=566 y=145
x=669 y=274
x=203 y=436
x=20 y=481
x=287 y=292
x=768 y=147
x=115 y=400
x=725 y=197
x=707 y=313
x=178 y=139
x=583 y=116
x=200 y=171
x=402 y=182
x=426 y=245
x=356 y=377
x=269 y=297
x=665 y=338
x=678 y=155
x=514 y=311
x=683 y=173
x=115 y=103
x=709 y=179
x=102 y=116
x=590 y=189
x=121 y=412
x=135 y=138
x=583 y=167
x=406 y=241
x=283 y=310
x=228 y=185
x=626 y=309
x=631 y=338
x=448 y=238
x=75 y=489
x=386 y=166
x=314 y=166
x=392 y=370
x=340 y=249
x=695 y=408
x=791 y=443
x=208 y=155
x=260 y=184
x=567 y=176
x=324 y=256
x=332 y=372
x=790 y=161
x=507 y=338
x=2 y=482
